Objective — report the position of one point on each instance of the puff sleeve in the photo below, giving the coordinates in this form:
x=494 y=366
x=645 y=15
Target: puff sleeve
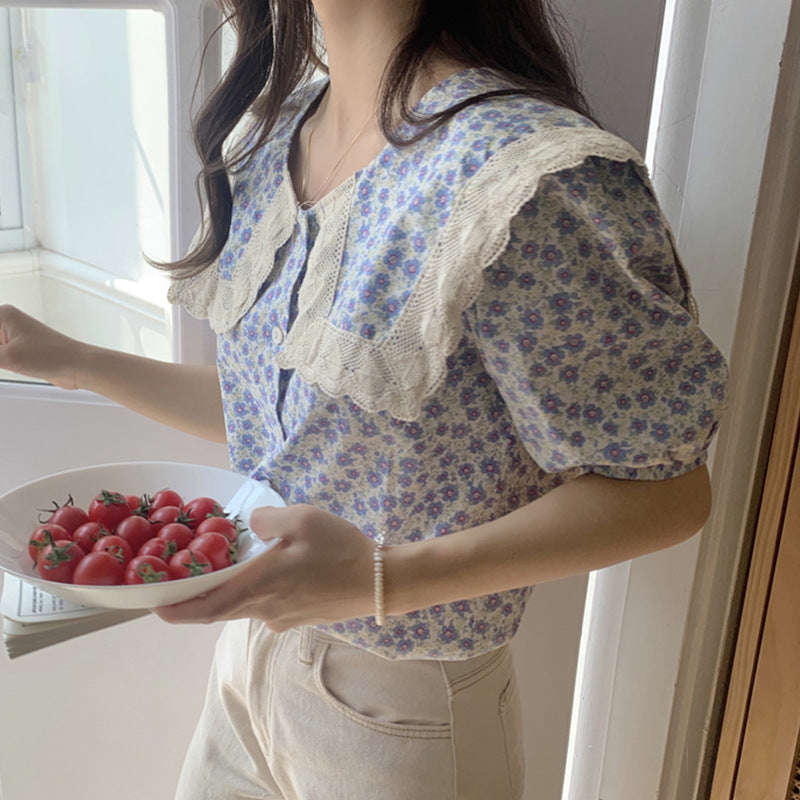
x=585 y=324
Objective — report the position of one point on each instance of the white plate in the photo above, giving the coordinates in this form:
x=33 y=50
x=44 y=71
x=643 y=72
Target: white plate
x=19 y=517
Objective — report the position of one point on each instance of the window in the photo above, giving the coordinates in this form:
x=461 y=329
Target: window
x=96 y=168
x=11 y=227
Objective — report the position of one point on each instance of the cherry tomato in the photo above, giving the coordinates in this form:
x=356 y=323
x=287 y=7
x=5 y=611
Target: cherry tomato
x=221 y=553
x=188 y=563
x=158 y=547
x=164 y=515
x=201 y=508
x=109 y=509
x=165 y=497
x=99 y=568
x=223 y=525
x=87 y=534
x=69 y=517
x=178 y=533
x=58 y=559
x=116 y=545
x=37 y=541
x=135 y=530
x=134 y=502
x=146 y=569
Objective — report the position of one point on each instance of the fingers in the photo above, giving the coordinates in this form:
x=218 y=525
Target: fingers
x=30 y=347
x=320 y=570
x=221 y=603
x=236 y=597
x=268 y=522
x=7 y=333
x=232 y=600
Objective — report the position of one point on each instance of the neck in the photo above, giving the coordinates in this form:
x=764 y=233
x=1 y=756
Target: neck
x=360 y=36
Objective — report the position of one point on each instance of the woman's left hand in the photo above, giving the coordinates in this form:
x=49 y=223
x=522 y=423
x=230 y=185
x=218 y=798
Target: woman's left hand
x=320 y=571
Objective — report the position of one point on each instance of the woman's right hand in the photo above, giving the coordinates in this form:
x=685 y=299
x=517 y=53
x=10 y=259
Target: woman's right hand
x=29 y=347
x=183 y=396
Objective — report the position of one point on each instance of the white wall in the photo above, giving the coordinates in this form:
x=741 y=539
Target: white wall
x=617 y=47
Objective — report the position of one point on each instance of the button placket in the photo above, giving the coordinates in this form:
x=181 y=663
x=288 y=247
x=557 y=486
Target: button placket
x=305 y=233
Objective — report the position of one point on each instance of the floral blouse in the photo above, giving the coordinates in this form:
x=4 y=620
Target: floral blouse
x=463 y=325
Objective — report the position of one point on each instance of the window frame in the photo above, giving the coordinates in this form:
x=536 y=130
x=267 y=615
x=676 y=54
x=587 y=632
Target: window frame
x=14 y=183
x=188 y=23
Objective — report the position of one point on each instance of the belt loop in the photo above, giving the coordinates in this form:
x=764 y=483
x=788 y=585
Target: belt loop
x=305 y=648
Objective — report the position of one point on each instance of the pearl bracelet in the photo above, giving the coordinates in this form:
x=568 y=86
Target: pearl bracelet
x=377 y=564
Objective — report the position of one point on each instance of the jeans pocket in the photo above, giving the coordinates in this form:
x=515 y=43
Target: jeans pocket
x=510 y=710
x=405 y=698
x=487 y=730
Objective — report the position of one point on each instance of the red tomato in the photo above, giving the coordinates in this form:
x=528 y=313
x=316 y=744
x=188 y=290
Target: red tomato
x=87 y=534
x=134 y=502
x=178 y=533
x=165 y=497
x=38 y=538
x=69 y=517
x=58 y=559
x=158 y=547
x=221 y=553
x=99 y=568
x=135 y=530
x=116 y=545
x=109 y=509
x=222 y=525
x=188 y=563
x=165 y=515
x=146 y=569
x=200 y=508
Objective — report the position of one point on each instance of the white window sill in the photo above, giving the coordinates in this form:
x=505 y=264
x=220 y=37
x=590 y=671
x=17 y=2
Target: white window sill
x=88 y=303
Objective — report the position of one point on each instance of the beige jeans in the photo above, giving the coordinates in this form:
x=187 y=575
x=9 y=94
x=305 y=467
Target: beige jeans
x=303 y=716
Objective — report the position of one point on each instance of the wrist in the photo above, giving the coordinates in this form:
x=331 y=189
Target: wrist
x=424 y=573
x=82 y=367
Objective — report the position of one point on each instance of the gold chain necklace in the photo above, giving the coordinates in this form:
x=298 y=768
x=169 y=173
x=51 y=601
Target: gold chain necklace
x=311 y=200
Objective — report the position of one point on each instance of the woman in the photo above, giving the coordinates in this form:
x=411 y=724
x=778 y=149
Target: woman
x=454 y=334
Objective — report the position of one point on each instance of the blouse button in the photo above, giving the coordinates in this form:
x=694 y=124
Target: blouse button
x=277 y=335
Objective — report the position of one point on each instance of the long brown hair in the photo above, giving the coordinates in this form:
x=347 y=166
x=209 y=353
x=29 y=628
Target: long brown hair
x=277 y=49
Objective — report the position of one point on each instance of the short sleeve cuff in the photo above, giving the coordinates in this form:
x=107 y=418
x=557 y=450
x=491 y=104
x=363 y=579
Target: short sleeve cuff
x=651 y=472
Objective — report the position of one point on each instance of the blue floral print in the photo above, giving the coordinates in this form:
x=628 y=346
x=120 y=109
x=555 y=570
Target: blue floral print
x=580 y=354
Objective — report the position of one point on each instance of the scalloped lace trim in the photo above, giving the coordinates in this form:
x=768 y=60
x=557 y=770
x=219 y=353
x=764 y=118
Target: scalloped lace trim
x=397 y=372
x=224 y=302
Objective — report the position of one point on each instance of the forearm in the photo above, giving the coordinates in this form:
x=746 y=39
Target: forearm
x=322 y=568
x=583 y=525
x=183 y=396
x=179 y=395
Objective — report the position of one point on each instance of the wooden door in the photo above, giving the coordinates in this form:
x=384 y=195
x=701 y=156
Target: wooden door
x=757 y=757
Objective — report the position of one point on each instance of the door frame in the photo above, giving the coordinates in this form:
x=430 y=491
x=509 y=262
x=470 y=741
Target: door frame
x=757 y=361
x=656 y=649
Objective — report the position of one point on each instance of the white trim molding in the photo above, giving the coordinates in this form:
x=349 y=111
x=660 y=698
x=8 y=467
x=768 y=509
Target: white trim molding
x=604 y=610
